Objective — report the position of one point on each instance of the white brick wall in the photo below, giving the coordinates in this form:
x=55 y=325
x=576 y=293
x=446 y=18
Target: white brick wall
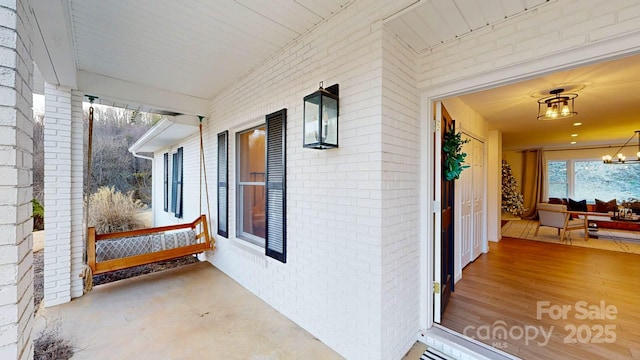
x=64 y=229
x=400 y=199
x=16 y=154
x=554 y=34
x=78 y=227
x=353 y=273
x=332 y=284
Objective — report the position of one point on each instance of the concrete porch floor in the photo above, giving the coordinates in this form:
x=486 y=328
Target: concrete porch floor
x=192 y=312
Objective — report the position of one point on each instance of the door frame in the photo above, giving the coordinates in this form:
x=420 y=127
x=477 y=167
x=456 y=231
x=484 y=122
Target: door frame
x=570 y=58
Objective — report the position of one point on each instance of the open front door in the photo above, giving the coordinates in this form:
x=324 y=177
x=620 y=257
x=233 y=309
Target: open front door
x=443 y=219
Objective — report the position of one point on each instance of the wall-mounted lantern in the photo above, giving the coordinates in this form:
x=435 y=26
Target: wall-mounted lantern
x=320 y=123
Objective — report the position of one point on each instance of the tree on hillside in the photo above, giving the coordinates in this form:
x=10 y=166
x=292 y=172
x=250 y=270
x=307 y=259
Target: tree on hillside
x=114 y=131
x=38 y=157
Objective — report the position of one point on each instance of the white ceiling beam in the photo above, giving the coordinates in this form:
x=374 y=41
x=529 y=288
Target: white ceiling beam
x=129 y=92
x=52 y=42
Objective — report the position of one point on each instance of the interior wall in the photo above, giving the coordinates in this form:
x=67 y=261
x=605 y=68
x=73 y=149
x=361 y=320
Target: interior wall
x=515 y=161
x=467 y=120
x=494 y=185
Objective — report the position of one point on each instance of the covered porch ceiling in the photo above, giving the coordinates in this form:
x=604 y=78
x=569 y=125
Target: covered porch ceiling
x=167 y=56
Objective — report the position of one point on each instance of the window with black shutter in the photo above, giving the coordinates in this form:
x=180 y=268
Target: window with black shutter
x=166 y=182
x=223 y=188
x=174 y=182
x=276 y=224
x=176 y=188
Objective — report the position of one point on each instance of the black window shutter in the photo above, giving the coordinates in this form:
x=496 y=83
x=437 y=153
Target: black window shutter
x=174 y=182
x=223 y=188
x=179 y=184
x=166 y=182
x=276 y=240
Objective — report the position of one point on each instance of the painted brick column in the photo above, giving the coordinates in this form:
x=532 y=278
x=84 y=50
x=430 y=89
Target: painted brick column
x=16 y=159
x=78 y=227
x=60 y=208
x=63 y=194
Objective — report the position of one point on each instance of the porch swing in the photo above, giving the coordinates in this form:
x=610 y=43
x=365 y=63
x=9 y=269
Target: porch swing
x=121 y=250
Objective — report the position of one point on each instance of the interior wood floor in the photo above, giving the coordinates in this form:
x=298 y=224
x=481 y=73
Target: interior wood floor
x=507 y=283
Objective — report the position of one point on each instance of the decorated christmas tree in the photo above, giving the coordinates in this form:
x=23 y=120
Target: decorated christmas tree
x=512 y=200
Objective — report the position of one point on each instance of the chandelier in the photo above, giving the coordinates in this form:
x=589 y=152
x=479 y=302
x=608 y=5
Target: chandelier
x=620 y=158
x=556 y=106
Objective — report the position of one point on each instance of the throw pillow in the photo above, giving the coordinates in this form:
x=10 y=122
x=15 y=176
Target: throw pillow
x=606 y=206
x=557 y=201
x=577 y=205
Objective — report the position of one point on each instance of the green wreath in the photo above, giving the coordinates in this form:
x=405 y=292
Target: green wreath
x=453 y=155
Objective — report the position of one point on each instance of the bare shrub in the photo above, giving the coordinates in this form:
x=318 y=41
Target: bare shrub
x=50 y=346
x=112 y=211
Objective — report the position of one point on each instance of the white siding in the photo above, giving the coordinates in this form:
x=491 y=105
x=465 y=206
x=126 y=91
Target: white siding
x=191 y=183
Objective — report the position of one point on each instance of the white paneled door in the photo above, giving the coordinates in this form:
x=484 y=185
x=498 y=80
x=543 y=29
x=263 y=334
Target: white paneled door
x=479 y=214
x=472 y=195
x=466 y=206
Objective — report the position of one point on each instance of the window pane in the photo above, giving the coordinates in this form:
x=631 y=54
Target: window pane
x=251 y=224
x=594 y=179
x=330 y=117
x=557 y=176
x=311 y=112
x=252 y=207
x=252 y=155
x=558 y=191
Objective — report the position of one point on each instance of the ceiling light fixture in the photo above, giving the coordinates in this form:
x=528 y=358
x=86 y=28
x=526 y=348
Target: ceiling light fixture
x=556 y=106
x=620 y=158
x=577 y=124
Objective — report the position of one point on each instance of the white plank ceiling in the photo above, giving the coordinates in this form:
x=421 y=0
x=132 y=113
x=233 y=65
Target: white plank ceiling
x=193 y=47
x=429 y=23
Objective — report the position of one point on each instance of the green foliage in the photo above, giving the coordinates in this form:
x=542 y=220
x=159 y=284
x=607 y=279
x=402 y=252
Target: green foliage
x=112 y=211
x=512 y=201
x=454 y=157
x=38 y=215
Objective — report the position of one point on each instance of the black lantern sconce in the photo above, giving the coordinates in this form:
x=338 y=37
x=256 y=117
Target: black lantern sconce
x=320 y=122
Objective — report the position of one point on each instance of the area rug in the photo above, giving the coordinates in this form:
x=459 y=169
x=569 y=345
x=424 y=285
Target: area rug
x=613 y=240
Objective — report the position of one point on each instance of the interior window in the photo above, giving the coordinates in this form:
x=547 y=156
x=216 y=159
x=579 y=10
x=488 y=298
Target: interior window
x=592 y=179
x=597 y=180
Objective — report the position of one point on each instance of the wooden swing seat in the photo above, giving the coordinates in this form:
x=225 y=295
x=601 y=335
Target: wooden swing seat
x=202 y=239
